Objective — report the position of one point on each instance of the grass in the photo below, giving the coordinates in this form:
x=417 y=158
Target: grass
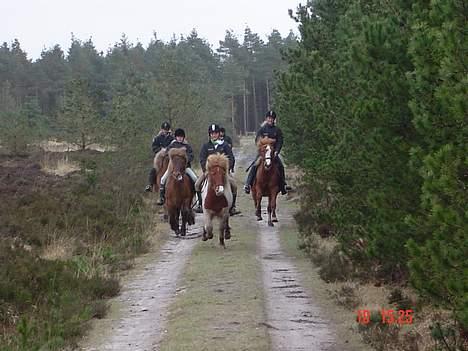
x=221 y=304
x=63 y=241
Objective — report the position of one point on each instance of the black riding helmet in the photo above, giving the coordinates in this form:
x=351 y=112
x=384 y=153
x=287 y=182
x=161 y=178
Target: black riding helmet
x=165 y=126
x=213 y=128
x=271 y=114
x=222 y=130
x=179 y=132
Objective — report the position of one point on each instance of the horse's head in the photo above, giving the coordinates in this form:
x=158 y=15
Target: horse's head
x=266 y=150
x=217 y=166
x=178 y=159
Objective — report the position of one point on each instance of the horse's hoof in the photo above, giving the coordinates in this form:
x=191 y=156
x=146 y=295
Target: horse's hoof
x=275 y=220
x=204 y=238
x=259 y=218
x=271 y=224
x=227 y=235
x=183 y=233
x=210 y=236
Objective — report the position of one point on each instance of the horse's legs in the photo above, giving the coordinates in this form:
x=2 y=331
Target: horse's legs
x=174 y=220
x=273 y=206
x=183 y=230
x=222 y=227
x=227 y=229
x=270 y=200
x=208 y=232
x=258 y=205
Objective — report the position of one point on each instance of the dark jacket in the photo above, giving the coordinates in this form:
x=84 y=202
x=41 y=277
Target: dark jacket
x=209 y=149
x=227 y=139
x=272 y=132
x=177 y=145
x=160 y=141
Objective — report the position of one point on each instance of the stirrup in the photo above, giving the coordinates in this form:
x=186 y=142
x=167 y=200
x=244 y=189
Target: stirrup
x=247 y=189
x=198 y=209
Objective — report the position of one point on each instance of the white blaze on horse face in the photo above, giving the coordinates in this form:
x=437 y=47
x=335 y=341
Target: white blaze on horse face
x=219 y=190
x=268 y=156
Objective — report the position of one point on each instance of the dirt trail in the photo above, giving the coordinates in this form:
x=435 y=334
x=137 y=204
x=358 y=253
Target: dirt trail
x=295 y=320
x=137 y=316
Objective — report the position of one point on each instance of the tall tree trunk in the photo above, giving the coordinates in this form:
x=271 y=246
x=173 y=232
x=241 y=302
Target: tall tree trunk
x=255 y=104
x=232 y=115
x=245 y=109
x=268 y=95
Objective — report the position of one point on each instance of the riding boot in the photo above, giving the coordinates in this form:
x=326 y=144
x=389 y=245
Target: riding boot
x=250 y=179
x=199 y=208
x=162 y=194
x=233 y=210
x=283 y=186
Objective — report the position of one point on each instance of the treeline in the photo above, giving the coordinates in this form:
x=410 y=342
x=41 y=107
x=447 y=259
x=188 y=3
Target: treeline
x=121 y=97
x=375 y=110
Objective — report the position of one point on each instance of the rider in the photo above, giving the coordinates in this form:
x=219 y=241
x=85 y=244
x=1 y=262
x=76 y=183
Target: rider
x=178 y=143
x=223 y=136
x=270 y=130
x=160 y=141
x=216 y=145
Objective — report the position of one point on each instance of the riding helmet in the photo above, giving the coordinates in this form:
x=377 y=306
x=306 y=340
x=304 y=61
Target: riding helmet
x=271 y=114
x=179 y=132
x=222 y=130
x=165 y=126
x=214 y=128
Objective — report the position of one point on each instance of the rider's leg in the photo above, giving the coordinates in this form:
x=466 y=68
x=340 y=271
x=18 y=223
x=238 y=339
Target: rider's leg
x=250 y=179
x=162 y=188
x=193 y=176
x=198 y=185
x=233 y=210
x=282 y=177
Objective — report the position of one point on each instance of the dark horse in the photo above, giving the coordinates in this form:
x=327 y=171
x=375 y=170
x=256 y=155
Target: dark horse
x=267 y=180
x=179 y=192
x=217 y=197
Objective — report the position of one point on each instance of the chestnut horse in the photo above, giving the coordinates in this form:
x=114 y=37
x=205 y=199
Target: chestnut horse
x=179 y=192
x=160 y=163
x=217 y=197
x=267 y=180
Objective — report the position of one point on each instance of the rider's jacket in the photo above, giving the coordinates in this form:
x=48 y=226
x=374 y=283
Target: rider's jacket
x=227 y=139
x=178 y=145
x=273 y=132
x=161 y=140
x=212 y=148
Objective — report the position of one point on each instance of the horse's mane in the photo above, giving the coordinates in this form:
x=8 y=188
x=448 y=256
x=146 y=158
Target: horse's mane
x=181 y=152
x=217 y=160
x=159 y=158
x=265 y=141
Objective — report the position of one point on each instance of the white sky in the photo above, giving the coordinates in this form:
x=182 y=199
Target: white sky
x=39 y=24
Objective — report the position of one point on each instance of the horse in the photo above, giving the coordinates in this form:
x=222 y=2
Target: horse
x=160 y=163
x=217 y=197
x=267 y=180
x=179 y=192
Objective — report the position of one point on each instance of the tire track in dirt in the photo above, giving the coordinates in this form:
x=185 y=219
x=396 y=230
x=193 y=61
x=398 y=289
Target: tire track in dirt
x=295 y=321
x=141 y=308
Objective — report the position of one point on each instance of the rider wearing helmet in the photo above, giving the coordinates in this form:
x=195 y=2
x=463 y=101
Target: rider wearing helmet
x=160 y=141
x=270 y=130
x=223 y=136
x=216 y=145
x=178 y=143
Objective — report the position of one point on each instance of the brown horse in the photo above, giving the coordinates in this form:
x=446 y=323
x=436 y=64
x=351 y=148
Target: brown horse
x=179 y=192
x=160 y=163
x=217 y=197
x=267 y=180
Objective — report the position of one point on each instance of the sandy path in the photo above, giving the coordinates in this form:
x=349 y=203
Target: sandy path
x=137 y=317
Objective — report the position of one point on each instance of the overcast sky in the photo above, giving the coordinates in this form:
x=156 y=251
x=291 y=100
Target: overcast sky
x=40 y=24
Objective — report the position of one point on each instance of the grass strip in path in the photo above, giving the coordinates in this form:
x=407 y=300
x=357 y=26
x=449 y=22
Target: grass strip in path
x=220 y=299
